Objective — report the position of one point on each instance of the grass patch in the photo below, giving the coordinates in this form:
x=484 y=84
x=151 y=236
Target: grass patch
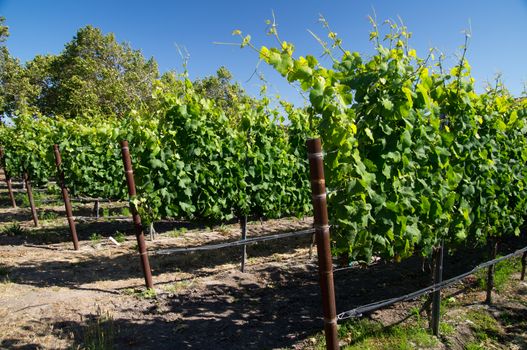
x=474 y=346
x=179 y=286
x=125 y=211
x=4 y=274
x=148 y=293
x=95 y=237
x=23 y=201
x=502 y=273
x=119 y=237
x=14 y=229
x=177 y=233
x=371 y=335
x=484 y=325
x=99 y=332
x=446 y=328
x=47 y=215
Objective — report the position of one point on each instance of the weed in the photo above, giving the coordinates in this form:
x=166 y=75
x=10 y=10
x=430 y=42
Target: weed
x=473 y=346
x=446 y=328
x=484 y=325
x=179 y=286
x=177 y=233
x=48 y=215
x=224 y=230
x=105 y=212
x=23 y=200
x=502 y=273
x=4 y=274
x=119 y=237
x=95 y=237
x=125 y=211
x=367 y=334
x=148 y=293
x=14 y=230
x=99 y=332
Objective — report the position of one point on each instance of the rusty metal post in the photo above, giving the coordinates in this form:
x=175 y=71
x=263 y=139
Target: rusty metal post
x=30 y=197
x=129 y=173
x=10 y=189
x=7 y=179
x=325 y=265
x=66 y=197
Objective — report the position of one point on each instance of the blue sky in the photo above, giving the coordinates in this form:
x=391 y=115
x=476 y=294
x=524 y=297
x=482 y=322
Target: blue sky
x=498 y=44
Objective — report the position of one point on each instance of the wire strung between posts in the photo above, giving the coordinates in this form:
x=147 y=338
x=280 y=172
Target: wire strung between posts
x=251 y=240
x=357 y=312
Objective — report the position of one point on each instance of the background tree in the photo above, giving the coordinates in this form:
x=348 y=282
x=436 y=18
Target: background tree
x=97 y=75
x=221 y=89
x=94 y=75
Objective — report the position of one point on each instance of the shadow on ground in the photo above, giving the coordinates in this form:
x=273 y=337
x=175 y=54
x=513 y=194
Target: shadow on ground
x=241 y=311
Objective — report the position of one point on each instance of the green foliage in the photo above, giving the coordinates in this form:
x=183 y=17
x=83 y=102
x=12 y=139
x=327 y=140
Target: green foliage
x=14 y=229
x=367 y=334
x=502 y=274
x=99 y=332
x=192 y=160
x=95 y=237
x=48 y=215
x=195 y=157
x=148 y=293
x=119 y=237
x=93 y=75
x=28 y=148
x=413 y=154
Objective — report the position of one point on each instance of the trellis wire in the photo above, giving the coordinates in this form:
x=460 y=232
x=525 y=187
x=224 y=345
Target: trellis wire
x=357 y=312
x=247 y=241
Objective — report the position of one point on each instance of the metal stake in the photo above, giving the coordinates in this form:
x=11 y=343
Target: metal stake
x=493 y=245
x=30 y=197
x=438 y=278
x=243 y=224
x=524 y=261
x=129 y=173
x=66 y=197
x=325 y=264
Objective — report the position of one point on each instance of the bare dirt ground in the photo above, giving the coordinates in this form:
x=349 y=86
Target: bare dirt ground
x=51 y=296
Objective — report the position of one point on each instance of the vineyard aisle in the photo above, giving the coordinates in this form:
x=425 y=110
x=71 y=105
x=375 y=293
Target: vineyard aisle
x=51 y=295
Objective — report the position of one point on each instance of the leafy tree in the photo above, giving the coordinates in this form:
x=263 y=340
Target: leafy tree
x=222 y=90
x=4 y=30
x=96 y=75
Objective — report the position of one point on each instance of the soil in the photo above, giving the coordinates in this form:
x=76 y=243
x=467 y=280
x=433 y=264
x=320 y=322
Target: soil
x=52 y=297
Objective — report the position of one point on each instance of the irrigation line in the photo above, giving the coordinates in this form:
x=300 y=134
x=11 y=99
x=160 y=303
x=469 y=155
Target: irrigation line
x=242 y=242
x=357 y=312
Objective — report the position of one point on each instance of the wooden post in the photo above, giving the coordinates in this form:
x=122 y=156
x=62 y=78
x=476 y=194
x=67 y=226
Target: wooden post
x=30 y=197
x=325 y=264
x=66 y=198
x=438 y=278
x=493 y=249
x=129 y=173
x=243 y=224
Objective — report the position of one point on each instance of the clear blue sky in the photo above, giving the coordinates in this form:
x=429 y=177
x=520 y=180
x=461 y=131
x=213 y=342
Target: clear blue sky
x=498 y=44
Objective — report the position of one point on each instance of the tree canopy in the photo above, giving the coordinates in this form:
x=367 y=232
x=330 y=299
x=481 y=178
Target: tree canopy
x=93 y=75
